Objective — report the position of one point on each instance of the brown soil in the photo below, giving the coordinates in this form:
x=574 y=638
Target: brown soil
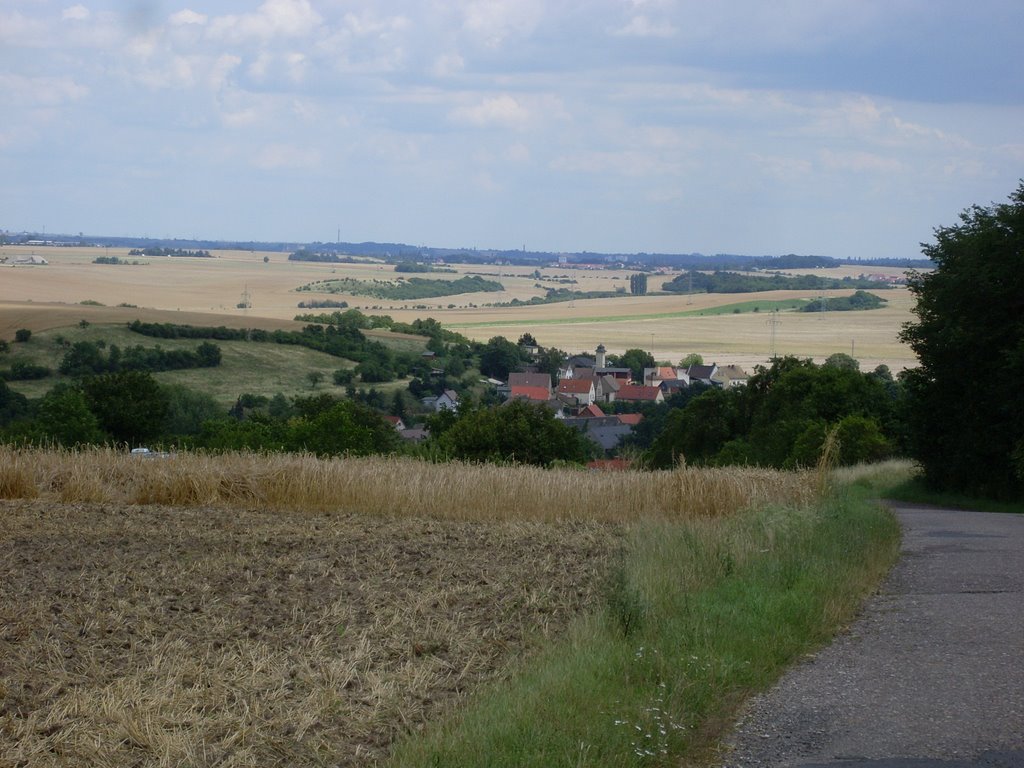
x=145 y=636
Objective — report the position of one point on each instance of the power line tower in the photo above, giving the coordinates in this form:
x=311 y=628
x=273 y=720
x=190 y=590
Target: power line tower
x=246 y=302
x=773 y=323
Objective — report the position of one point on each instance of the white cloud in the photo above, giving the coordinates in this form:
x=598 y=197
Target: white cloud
x=448 y=64
x=40 y=91
x=19 y=30
x=75 y=13
x=274 y=19
x=499 y=110
x=491 y=22
x=187 y=16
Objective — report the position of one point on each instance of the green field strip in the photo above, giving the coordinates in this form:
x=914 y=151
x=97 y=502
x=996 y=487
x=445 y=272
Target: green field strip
x=727 y=309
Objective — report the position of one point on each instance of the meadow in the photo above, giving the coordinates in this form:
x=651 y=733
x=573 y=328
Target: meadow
x=254 y=610
x=246 y=367
x=206 y=291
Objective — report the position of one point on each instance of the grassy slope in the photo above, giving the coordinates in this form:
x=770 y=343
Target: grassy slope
x=263 y=369
x=702 y=615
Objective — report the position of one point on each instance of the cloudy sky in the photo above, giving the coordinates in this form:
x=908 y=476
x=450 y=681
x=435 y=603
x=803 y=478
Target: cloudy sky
x=840 y=127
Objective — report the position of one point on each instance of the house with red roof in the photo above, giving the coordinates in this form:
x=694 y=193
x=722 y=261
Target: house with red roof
x=531 y=394
x=396 y=422
x=580 y=390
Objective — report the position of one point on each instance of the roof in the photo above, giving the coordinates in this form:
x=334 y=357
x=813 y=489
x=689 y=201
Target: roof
x=637 y=392
x=580 y=361
x=631 y=418
x=530 y=380
x=583 y=373
x=701 y=371
x=451 y=394
x=664 y=372
x=592 y=411
x=576 y=386
x=393 y=419
x=731 y=372
x=534 y=394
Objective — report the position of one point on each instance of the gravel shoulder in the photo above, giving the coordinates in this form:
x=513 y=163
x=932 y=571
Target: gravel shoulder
x=931 y=674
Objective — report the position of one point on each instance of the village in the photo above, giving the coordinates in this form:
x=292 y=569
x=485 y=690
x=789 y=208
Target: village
x=585 y=384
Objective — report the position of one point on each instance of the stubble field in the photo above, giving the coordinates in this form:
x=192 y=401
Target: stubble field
x=200 y=636
x=206 y=291
x=256 y=610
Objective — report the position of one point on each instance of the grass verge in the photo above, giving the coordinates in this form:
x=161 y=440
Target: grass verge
x=915 y=491
x=700 y=614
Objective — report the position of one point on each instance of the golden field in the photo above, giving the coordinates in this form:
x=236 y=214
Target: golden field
x=206 y=291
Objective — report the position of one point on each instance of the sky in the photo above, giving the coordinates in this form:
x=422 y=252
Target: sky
x=848 y=128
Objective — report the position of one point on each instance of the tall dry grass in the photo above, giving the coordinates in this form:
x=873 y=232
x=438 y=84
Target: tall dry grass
x=395 y=486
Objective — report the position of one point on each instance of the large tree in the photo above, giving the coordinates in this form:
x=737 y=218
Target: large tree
x=966 y=400
x=517 y=432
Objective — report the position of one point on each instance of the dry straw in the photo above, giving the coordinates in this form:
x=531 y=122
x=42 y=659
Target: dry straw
x=395 y=486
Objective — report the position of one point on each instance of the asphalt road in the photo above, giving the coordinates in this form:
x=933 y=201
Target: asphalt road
x=931 y=674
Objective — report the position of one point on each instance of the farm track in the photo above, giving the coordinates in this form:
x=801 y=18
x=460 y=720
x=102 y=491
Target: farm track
x=157 y=636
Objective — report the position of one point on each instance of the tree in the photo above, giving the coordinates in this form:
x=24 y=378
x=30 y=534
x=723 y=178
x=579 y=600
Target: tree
x=314 y=378
x=22 y=335
x=13 y=404
x=842 y=360
x=636 y=360
x=638 y=284
x=188 y=410
x=63 y=417
x=528 y=340
x=348 y=428
x=517 y=432
x=130 y=405
x=966 y=429
x=499 y=357
x=691 y=359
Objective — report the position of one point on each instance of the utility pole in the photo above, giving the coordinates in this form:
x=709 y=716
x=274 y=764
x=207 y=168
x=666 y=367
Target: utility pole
x=773 y=322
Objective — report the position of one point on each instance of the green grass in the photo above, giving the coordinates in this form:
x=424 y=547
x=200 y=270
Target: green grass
x=261 y=369
x=727 y=309
x=914 y=490
x=700 y=615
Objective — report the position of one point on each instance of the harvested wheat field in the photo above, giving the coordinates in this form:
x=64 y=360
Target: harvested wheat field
x=236 y=610
x=159 y=636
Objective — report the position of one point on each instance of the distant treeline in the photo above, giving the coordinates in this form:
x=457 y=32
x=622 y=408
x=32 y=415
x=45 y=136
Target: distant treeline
x=87 y=357
x=113 y=260
x=859 y=300
x=414 y=266
x=353 y=318
x=305 y=255
x=734 y=282
x=323 y=304
x=156 y=251
x=411 y=289
x=557 y=295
